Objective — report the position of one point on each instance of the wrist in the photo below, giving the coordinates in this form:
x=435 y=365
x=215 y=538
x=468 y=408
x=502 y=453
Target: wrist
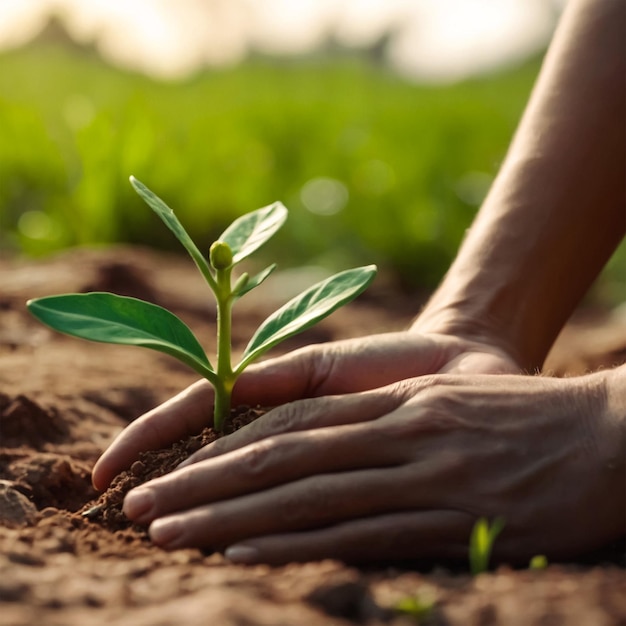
x=615 y=386
x=484 y=328
x=610 y=442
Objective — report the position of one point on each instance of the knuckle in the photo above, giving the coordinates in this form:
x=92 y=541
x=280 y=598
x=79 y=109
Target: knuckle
x=284 y=419
x=255 y=460
x=430 y=407
x=422 y=388
x=297 y=415
x=404 y=389
x=319 y=365
x=437 y=394
x=323 y=371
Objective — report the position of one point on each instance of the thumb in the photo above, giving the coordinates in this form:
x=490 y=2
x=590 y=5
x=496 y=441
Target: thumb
x=341 y=367
x=268 y=384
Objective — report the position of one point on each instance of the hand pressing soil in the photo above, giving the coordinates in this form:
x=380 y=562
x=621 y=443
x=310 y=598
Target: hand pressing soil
x=107 y=509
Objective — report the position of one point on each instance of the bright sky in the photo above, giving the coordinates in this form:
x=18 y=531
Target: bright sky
x=433 y=40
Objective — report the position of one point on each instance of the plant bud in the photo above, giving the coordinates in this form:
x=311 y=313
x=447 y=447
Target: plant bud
x=220 y=255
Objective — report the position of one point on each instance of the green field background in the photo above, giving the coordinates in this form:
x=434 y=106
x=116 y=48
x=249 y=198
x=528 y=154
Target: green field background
x=397 y=170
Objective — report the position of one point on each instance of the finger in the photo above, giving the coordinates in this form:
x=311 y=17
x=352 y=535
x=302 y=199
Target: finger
x=342 y=367
x=304 y=504
x=265 y=464
x=324 y=369
x=405 y=536
x=265 y=384
x=411 y=535
x=310 y=414
x=307 y=503
x=179 y=417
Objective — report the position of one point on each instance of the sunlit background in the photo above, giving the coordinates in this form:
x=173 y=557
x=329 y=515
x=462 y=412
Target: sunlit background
x=434 y=40
x=379 y=123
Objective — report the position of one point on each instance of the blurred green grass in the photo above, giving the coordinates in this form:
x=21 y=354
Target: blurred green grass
x=372 y=168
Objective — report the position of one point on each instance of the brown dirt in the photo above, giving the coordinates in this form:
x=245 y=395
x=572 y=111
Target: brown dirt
x=107 y=509
x=63 y=400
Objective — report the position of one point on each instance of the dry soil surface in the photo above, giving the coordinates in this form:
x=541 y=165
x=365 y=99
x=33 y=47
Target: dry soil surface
x=62 y=401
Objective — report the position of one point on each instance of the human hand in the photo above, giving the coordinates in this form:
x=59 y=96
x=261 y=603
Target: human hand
x=403 y=471
x=335 y=368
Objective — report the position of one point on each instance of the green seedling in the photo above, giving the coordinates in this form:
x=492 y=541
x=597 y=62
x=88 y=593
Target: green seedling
x=481 y=543
x=419 y=607
x=110 y=318
x=538 y=562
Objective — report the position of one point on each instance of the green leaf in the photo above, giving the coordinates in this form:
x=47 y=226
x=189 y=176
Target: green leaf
x=250 y=231
x=171 y=221
x=255 y=281
x=307 y=309
x=110 y=318
x=477 y=546
x=481 y=543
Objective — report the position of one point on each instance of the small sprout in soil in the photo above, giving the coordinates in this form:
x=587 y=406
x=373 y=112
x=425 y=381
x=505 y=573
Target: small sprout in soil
x=419 y=607
x=539 y=561
x=110 y=318
x=481 y=543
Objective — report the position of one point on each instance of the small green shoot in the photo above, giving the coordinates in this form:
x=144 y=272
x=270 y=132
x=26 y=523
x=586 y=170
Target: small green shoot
x=419 y=607
x=539 y=561
x=110 y=318
x=481 y=543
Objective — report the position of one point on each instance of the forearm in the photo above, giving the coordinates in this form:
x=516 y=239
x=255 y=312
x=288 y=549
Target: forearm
x=557 y=209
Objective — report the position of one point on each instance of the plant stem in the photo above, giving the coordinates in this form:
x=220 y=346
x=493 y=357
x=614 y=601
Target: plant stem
x=225 y=375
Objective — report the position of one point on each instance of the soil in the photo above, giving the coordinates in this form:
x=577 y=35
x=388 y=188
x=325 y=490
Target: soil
x=63 y=400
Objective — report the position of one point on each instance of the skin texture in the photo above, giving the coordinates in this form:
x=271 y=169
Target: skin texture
x=391 y=446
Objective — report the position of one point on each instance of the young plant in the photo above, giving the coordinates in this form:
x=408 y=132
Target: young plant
x=110 y=318
x=481 y=543
x=539 y=561
x=419 y=608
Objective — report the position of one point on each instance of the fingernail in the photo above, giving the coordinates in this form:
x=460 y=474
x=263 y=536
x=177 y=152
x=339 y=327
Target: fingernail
x=163 y=531
x=245 y=555
x=138 y=503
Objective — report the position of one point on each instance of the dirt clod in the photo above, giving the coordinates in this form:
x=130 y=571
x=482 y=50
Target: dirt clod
x=15 y=508
x=23 y=421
